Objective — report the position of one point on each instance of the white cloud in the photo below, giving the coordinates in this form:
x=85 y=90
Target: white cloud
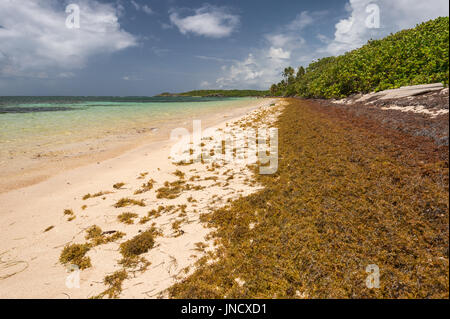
x=263 y=66
x=145 y=8
x=135 y=5
x=286 y=46
x=247 y=70
x=278 y=40
x=205 y=84
x=353 y=31
x=208 y=21
x=35 y=40
x=279 y=53
x=213 y=58
x=300 y=22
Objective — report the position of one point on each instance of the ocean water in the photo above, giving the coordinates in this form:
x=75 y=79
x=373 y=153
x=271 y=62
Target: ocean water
x=30 y=123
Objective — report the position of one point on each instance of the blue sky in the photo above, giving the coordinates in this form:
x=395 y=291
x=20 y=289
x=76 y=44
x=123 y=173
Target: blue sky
x=144 y=47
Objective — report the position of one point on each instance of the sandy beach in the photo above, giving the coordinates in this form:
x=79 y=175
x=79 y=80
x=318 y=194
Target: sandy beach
x=35 y=227
x=35 y=159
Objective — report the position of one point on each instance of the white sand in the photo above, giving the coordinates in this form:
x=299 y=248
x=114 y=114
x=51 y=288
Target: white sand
x=29 y=265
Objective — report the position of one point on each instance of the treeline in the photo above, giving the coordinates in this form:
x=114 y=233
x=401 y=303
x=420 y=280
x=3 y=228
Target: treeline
x=219 y=93
x=409 y=57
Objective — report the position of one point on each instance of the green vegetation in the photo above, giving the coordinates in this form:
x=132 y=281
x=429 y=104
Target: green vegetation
x=409 y=57
x=347 y=194
x=219 y=93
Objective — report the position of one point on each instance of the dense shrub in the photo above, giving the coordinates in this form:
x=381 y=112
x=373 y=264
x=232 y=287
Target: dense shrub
x=409 y=57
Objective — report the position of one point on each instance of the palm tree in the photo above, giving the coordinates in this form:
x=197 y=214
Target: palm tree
x=300 y=73
x=288 y=72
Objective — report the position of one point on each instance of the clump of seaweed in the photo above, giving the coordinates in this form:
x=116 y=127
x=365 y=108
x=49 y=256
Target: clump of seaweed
x=171 y=190
x=70 y=213
x=176 y=226
x=75 y=254
x=128 y=201
x=127 y=218
x=114 y=283
x=87 y=196
x=142 y=175
x=135 y=263
x=179 y=174
x=145 y=187
x=184 y=163
x=191 y=199
x=155 y=213
x=49 y=228
x=118 y=185
x=98 y=237
x=194 y=178
x=93 y=231
x=144 y=220
x=131 y=261
x=200 y=246
x=138 y=245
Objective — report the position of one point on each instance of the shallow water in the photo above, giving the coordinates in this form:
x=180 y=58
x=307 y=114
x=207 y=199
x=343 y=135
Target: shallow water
x=28 y=124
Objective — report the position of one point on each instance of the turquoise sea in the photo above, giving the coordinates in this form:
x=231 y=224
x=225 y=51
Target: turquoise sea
x=42 y=122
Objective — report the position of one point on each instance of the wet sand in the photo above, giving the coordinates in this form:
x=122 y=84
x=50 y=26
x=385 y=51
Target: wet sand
x=35 y=167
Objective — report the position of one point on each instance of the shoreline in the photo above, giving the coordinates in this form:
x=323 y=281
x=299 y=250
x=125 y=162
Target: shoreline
x=50 y=162
x=29 y=250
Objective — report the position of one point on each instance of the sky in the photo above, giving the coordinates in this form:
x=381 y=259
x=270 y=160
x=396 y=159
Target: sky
x=145 y=47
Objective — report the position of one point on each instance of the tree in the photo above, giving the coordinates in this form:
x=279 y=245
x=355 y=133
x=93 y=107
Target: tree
x=300 y=73
x=274 y=89
x=288 y=72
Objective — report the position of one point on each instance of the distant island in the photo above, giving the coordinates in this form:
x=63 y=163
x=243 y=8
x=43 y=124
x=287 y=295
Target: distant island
x=218 y=93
